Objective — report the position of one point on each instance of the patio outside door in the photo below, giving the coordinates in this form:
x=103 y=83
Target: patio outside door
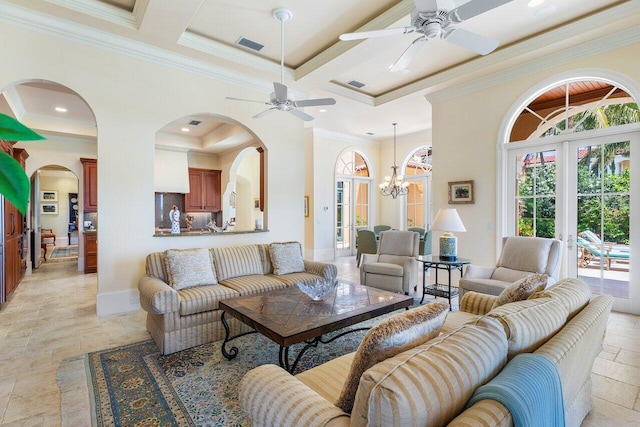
x=352 y=211
x=580 y=192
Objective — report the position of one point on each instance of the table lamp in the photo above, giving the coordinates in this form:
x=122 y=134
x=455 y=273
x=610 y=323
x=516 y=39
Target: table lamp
x=447 y=220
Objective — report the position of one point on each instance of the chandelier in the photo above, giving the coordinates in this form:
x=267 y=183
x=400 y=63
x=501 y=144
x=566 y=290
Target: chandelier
x=393 y=185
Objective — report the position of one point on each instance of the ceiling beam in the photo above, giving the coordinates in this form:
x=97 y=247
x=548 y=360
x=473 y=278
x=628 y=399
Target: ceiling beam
x=167 y=20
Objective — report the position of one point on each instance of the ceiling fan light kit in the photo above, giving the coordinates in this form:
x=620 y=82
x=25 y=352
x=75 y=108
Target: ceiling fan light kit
x=437 y=18
x=279 y=98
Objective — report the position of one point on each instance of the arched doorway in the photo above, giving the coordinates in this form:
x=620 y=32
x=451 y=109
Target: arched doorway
x=568 y=154
x=353 y=200
x=417 y=172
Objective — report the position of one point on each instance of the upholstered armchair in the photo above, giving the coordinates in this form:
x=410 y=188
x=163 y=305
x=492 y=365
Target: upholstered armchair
x=521 y=257
x=394 y=268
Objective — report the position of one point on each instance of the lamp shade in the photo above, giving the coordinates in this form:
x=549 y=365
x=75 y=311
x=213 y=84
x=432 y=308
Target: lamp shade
x=448 y=220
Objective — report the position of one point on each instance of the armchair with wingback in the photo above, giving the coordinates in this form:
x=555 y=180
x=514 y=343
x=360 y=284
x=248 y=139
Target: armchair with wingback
x=521 y=257
x=394 y=268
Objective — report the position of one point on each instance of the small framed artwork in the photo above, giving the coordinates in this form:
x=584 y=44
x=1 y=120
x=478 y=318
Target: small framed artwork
x=48 y=196
x=49 y=209
x=306 y=205
x=461 y=192
x=256 y=203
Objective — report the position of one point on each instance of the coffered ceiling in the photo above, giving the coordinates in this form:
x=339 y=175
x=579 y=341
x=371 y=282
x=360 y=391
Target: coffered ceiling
x=317 y=63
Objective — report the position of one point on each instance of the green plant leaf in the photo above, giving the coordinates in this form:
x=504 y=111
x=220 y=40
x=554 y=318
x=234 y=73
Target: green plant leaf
x=13 y=130
x=14 y=183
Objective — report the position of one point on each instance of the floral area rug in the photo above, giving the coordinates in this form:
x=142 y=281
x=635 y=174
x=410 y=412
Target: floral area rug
x=134 y=385
x=65 y=252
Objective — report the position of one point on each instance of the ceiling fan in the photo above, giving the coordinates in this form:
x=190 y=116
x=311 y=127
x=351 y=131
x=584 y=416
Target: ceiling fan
x=279 y=99
x=433 y=18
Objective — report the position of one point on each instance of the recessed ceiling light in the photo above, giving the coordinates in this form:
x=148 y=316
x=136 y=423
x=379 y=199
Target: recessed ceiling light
x=60 y=109
x=185 y=129
x=534 y=3
x=323 y=110
x=544 y=11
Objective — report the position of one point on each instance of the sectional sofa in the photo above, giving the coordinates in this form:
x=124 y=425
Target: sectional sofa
x=431 y=383
x=181 y=288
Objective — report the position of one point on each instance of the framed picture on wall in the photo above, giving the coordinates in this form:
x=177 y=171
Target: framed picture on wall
x=256 y=203
x=49 y=209
x=461 y=192
x=48 y=196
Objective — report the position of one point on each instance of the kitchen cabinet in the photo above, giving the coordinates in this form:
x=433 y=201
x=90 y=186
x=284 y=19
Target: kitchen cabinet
x=90 y=252
x=90 y=184
x=204 y=191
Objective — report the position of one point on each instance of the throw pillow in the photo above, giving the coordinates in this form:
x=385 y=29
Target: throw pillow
x=390 y=337
x=286 y=258
x=521 y=289
x=189 y=267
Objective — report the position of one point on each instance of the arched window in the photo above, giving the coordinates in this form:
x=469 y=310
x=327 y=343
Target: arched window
x=568 y=160
x=417 y=172
x=353 y=193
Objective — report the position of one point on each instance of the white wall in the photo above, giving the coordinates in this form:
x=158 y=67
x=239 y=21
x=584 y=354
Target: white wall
x=131 y=100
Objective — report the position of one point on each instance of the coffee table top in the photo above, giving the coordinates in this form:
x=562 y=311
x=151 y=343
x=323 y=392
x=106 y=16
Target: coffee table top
x=288 y=316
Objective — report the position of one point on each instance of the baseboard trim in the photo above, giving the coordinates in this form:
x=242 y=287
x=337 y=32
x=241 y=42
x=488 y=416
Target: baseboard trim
x=117 y=302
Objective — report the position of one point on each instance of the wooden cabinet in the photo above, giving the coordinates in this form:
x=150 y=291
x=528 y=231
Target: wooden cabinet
x=205 y=191
x=15 y=264
x=90 y=184
x=90 y=252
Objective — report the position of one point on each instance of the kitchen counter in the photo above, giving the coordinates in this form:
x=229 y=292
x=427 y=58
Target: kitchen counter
x=204 y=233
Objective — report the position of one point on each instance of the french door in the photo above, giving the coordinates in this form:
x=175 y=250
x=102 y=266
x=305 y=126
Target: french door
x=580 y=191
x=352 y=211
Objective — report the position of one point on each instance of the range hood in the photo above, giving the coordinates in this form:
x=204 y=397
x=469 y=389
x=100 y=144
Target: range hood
x=171 y=171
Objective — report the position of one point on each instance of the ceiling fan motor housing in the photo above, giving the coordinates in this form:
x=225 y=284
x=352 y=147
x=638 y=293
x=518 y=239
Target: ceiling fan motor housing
x=430 y=23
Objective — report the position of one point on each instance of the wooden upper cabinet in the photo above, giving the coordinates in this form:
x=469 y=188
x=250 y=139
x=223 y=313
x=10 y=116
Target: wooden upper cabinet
x=205 y=194
x=90 y=174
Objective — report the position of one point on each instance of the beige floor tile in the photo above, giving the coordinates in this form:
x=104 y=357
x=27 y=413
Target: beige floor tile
x=614 y=391
x=34 y=421
x=627 y=357
x=607 y=414
x=617 y=371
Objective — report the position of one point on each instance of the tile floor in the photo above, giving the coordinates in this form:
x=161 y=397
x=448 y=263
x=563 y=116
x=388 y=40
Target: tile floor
x=52 y=317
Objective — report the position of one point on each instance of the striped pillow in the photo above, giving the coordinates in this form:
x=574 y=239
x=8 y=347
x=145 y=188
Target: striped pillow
x=286 y=258
x=189 y=267
x=236 y=261
x=389 y=338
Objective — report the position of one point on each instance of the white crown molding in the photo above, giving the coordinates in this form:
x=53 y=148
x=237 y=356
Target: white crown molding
x=221 y=50
x=64 y=137
x=389 y=17
x=587 y=49
x=341 y=90
x=15 y=102
x=36 y=21
x=101 y=10
x=341 y=137
x=139 y=9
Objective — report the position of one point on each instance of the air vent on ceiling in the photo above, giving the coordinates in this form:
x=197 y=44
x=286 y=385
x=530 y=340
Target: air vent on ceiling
x=195 y=122
x=356 y=83
x=250 y=44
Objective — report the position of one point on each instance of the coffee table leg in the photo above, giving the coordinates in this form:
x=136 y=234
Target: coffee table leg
x=233 y=352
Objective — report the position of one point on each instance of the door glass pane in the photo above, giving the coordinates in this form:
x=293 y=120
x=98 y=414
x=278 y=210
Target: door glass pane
x=536 y=194
x=362 y=204
x=415 y=204
x=343 y=215
x=603 y=217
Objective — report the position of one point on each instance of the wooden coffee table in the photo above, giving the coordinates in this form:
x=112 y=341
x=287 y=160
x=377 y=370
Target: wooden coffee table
x=288 y=316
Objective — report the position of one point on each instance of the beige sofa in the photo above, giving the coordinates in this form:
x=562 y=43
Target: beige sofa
x=431 y=383
x=179 y=318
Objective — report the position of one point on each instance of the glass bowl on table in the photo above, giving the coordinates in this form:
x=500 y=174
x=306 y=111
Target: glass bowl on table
x=317 y=289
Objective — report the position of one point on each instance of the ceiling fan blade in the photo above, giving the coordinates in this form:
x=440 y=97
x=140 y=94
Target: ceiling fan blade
x=315 y=102
x=426 y=5
x=301 y=115
x=265 y=112
x=472 y=41
x=376 y=33
x=406 y=57
x=473 y=8
x=248 y=100
x=280 y=90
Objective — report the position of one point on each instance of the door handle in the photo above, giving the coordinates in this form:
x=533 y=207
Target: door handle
x=570 y=242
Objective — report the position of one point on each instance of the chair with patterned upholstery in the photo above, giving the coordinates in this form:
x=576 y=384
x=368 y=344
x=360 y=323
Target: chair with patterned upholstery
x=394 y=268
